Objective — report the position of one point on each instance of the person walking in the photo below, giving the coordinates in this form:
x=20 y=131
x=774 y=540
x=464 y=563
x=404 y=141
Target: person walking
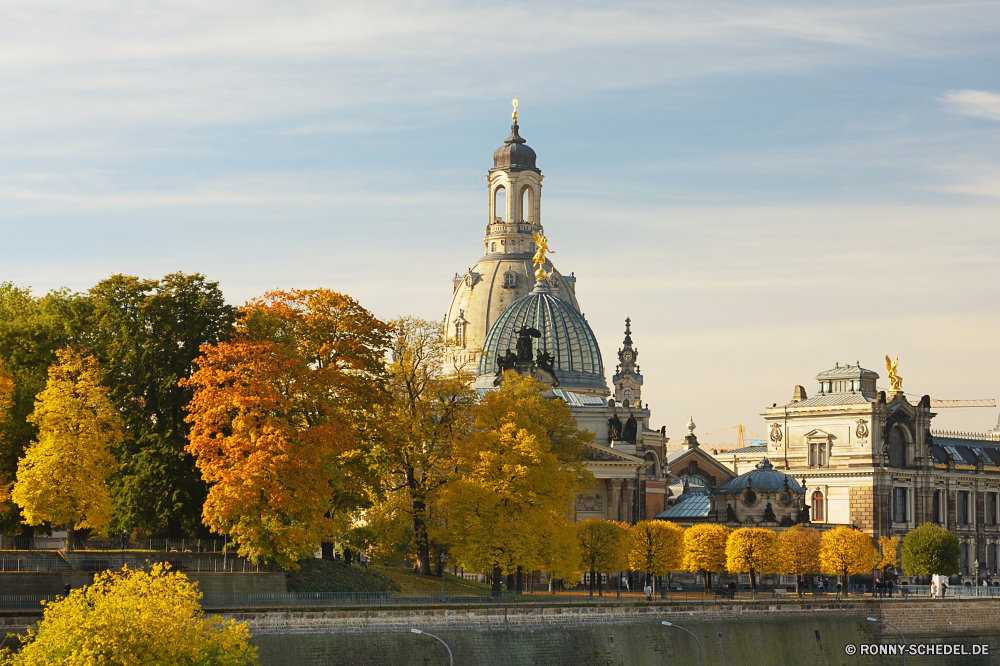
x=876 y=588
x=838 y=590
x=888 y=587
x=649 y=592
x=347 y=555
x=66 y=589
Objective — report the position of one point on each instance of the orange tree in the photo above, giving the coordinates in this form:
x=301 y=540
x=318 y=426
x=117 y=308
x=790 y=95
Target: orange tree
x=705 y=549
x=283 y=418
x=845 y=552
x=889 y=555
x=754 y=550
x=656 y=547
x=798 y=553
x=603 y=547
x=6 y=391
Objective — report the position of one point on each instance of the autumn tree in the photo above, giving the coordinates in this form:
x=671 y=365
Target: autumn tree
x=430 y=408
x=283 y=419
x=798 y=553
x=656 y=547
x=31 y=330
x=931 y=549
x=753 y=550
x=846 y=552
x=133 y=617
x=705 y=549
x=603 y=547
x=517 y=477
x=888 y=557
x=63 y=476
x=147 y=334
x=6 y=391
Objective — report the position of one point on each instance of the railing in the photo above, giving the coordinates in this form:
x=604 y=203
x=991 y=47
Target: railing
x=161 y=545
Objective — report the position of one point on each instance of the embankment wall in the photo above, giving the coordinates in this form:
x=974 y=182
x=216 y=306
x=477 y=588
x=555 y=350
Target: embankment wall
x=208 y=583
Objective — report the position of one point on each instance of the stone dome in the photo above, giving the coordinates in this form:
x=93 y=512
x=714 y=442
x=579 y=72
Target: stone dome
x=763 y=479
x=565 y=334
x=514 y=154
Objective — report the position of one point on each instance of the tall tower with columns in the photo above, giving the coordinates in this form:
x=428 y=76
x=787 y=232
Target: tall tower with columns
x=505 y=272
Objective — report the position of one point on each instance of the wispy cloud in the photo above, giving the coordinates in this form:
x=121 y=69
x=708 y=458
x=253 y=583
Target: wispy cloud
x=976 y=103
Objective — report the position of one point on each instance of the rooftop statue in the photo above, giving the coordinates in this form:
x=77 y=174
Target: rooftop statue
x=524 y=335
x=541 y=247
x=894 y=379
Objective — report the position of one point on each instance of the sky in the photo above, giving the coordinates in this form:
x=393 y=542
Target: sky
x=766 y=189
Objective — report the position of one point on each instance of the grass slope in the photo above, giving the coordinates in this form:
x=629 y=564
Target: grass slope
x=331 y=576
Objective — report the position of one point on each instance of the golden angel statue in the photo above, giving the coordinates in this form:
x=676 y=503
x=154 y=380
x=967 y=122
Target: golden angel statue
x=894 y=379
x=541 y=247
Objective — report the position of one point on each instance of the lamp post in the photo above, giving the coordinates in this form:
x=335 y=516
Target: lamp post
x=976 y=582
x=669 y=624
x=442 y=578
x=451 y=660
x=874 y=619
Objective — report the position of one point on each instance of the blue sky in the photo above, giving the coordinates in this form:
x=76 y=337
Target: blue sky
x=765 y=189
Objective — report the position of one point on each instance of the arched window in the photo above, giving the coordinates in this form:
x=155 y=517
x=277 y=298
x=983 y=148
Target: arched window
x=897 y=448
x=965 y=559
x=936 y=507
x=991 y=558
x=527 y=205
x=500 y=204
x=493 y=247
x=818 y=509
x=510 y=279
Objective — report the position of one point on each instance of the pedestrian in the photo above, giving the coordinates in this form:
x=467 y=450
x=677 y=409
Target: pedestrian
x=877 y=588
x=66 y=589
x=125 y=541
x=649 y=592
x=362 y=560
x=838 y=590
x=888 y=587
x=347 y=555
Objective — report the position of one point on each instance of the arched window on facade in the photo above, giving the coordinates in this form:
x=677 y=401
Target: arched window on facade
x=936 y=507
x=460 y=332
x=527 y=205
x=818 y=507
x=965 y=559
x=500 y=204
x=510 y=279
x=991 y=558
x=897 y=448
x=493 y=247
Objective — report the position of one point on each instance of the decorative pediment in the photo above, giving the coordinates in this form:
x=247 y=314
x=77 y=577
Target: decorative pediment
x=818 y=434
x=600 y=453
x=679 y=463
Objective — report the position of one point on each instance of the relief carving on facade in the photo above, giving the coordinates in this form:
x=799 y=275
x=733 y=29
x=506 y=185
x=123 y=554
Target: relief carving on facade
x=775 y=433
x=590 y=503
x=862 y=430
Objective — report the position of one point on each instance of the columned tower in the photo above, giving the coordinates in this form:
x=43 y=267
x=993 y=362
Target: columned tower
x=505 y=272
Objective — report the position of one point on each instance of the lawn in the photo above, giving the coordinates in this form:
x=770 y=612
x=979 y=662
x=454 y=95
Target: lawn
x=316 y=575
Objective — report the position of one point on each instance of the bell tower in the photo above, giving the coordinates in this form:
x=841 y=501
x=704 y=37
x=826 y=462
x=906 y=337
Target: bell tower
x=627 y=380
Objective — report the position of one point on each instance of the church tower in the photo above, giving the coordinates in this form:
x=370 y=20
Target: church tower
x=505 y=272
x=627 y=380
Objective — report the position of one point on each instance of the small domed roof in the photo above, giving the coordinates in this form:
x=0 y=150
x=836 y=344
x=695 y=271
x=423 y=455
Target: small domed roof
x=514 y=154
x=763 y=479
x=565 y=334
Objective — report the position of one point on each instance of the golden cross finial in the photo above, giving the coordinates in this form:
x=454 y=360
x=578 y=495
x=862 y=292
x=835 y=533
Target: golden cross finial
x=514 y=115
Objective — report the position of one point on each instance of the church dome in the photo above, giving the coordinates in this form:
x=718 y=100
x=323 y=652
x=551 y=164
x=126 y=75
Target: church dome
x=764 y=478
x=565 y=334
x=514 y=154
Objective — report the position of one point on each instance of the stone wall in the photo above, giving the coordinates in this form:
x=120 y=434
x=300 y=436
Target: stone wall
x=208 y=583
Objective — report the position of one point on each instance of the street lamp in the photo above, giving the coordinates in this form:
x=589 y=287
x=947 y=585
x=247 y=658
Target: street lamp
x=451 y=660
x=976 y=581
x=669 y=624
x=874 y=619
x=442 y=577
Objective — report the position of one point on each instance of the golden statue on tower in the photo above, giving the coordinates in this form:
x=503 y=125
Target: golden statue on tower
x=541 y=247
x=894 y=379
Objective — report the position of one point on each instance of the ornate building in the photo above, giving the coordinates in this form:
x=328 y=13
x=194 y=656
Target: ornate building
x=503 y=317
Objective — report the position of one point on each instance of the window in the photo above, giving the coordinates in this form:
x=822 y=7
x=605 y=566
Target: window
x=899 y=505
x=962 y=507
x=818 y=452
x=817 y=506
x=896 y=448
x=991 y=509
x=936 y=507
x=460 y=332
x=527 y=209
x=749 y=497
x=991 y=558
x=493 y=247
x=500 y=204
x=965 y=559
x=510 y=280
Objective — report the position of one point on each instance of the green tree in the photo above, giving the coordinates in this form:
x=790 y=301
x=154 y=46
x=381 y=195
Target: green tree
x=31 y=330
x=127 y=618
x=147 y=336
x=603 y=547
x=62 y=477
x=430 y=408
x=931 y=549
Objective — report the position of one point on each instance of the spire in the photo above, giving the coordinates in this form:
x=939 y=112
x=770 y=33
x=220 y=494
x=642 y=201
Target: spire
x=627 y=378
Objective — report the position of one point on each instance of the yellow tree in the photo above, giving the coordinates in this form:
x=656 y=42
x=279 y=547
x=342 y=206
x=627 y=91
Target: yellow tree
x=656 y=547
x=133 y=617
x=510 y=495
x=798 y=553
x=603 y=547
x=705 y=549
x=753 y=550
x=63 y=476
x=845 y=552
x=889 y=558
x=283 y=418
x=6 y=391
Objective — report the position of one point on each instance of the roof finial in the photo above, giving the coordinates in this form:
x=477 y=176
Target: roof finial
x=514 y=115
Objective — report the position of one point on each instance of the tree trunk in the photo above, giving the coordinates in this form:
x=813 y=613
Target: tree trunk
x=423 y=565
x=495 y=579
x=70 y=536
x=519 y=579
x=753 y=584
x=843 y=583
x=707 y=581
x=593 y=574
